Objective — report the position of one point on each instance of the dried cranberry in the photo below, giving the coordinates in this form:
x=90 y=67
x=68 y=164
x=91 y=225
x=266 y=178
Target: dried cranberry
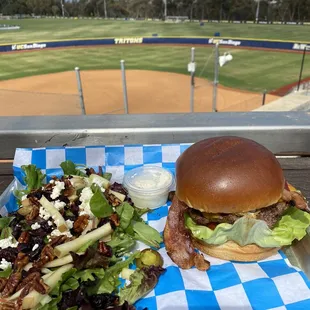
x=44 y=225
x=71 y=298
x=36 y=194
x=34 y=255
x=9 y=254
x=64 y=199
x=16 y=231
x=75 y=208
x=117 y=187
x=47 y=195
x=102 y=301
x=24 y=247
x=104 y=221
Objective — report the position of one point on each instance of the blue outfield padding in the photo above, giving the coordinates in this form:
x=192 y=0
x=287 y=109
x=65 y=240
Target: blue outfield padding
x=250 y=43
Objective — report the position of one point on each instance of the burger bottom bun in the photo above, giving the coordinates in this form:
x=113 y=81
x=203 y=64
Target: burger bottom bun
x=232 y=251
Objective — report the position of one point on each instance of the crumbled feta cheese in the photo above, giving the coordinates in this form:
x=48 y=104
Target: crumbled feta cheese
x=24 y=197
x=44 y=214
x=52 y=181
x=57 y=189
x=85 y=198
x=35 y=226
x=4 y=264
x=50 y=223
x=59 y=204
x=57 y=233
x=86 y=194
x=35 y=247
x=69 y=224
x=7 y=243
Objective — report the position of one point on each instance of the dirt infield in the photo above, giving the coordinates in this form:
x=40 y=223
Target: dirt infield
x=148 y=92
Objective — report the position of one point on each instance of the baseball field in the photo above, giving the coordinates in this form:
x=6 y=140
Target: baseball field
x=249 y=74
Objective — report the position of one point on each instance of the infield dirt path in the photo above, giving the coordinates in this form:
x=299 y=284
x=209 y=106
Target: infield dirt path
x=148 y=92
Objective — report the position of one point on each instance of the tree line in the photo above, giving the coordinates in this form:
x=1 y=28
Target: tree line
x=267 y=10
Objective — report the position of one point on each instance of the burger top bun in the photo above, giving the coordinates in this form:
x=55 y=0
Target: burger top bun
x=228 y=175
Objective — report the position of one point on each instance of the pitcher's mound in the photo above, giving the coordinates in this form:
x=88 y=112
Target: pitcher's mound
x=148 y=92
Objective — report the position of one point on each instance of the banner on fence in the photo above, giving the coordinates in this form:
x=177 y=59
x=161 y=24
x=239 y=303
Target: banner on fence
x=233 y=42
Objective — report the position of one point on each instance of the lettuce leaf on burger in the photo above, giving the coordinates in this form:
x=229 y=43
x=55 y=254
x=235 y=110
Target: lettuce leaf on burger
x=232 y=202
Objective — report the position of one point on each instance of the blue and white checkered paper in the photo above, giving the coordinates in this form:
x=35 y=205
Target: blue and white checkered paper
x=269 y=284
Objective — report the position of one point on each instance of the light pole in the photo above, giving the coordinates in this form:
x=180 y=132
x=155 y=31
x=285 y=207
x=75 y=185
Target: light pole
x=257 y=10
x=165 y=12
x=62 y=8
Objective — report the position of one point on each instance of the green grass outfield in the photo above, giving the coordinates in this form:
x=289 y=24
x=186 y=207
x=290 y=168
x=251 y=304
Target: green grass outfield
x=249 y=70
x=54 y=29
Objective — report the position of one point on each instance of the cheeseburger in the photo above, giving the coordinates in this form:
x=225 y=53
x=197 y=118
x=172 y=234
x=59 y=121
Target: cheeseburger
x=232 y=202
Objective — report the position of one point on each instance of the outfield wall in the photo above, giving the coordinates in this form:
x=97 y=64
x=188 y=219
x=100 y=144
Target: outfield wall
x=235 y=42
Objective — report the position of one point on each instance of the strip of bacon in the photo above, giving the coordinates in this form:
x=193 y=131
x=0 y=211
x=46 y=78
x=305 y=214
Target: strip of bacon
x=300 y=202
x=178 y=240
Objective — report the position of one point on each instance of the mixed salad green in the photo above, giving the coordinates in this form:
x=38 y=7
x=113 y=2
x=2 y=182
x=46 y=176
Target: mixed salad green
x=71 y=244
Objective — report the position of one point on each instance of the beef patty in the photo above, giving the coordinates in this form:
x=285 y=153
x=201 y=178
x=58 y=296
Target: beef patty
x=269 y=214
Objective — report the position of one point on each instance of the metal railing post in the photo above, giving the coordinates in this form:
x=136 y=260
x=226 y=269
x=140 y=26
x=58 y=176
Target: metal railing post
x=80 y=89
x=124 y=86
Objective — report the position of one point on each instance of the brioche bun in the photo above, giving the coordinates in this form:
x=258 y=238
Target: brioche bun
x=232 y=251
x=228 y=175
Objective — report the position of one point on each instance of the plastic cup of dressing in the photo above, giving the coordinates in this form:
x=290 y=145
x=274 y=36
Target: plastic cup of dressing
x=148 y=186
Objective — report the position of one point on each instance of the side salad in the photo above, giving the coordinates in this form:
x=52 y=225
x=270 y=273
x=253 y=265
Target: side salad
x=70 y=244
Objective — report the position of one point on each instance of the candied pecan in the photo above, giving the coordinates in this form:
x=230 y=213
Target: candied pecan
x=40 y=286
x=36 y=284
x=47 y=255
x=2 y=283
x=24 y=237
x=105 y=249
x=32 y=277
x=35 y=201
x=115 y=219
x=11 y=284
x=21 y=261
x=33 y=214
x=112 y=199
x=58 y=240
x=69 y=192
x=9 y=305
x=48 y=186
x=90 y=171
x=69 y=189
x=81 y=223
x=67 y=183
